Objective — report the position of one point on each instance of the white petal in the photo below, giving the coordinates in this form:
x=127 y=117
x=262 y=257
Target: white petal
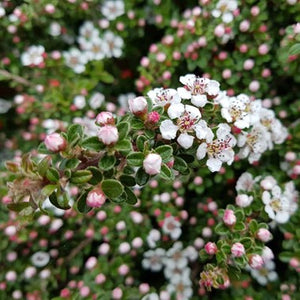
x=183 y=93
x=199 y=100
x=193 y=111
x=168 y=130
x=175 y=110
x=201 y=151
x=185 y=140
x=214 y=164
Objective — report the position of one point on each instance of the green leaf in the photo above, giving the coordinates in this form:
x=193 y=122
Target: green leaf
x=69 y=163
x=52 y=175
x=61 y=202
x=44 y=165
x=127 y=180
x=123 y=129
x=166 y=173
x=43 y=150
x=141 y=177
x=136 y=123
x=131 y=197
x=17 y=207
x=49 y=189
x=112 y=188
x=180 y=165
x=135 y=159
x=81 y=203
x=247 y=242
x=81 y=176
x=92 y=143
x=295 y=49
x=150 y=134
x=124 y=145
x=221 y=229
x=253 y=226
x=105 y=77
x=165 y=152
x=286 y=256
x=140 y=142
x=97 y=175
x=107 y=162
x=239 y=226
x=74 y=131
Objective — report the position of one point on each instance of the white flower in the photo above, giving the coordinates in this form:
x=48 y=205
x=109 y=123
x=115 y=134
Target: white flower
x=79 y=101
x=90 y=128
x=33 y=56
x=2 y=11
x=219 y=150
x=55 y=29
x=240 y=110
x=172 y=227
x=40 y=259
x=87 y=33
x=123 y=100
x=254 y=143
x=113 y=9
x=278 y=132
x=187 y=122
x=76 y=60
x=4 y=106
x=96 y=100
x=265 y=274
x=191 y=253
x=177 y=275
x=175 y=258
x=115 y=44
x=245 y=182
x=180 y=290
x=276 y=205
x=153 y=259
x=198 y=89
x=151 y=296
x=153 y=237
x=152 y=163
x=96 y=49
x=225 y=8
x=162 y=97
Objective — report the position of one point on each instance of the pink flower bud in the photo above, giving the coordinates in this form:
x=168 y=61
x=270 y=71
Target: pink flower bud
x=91 y=262
x=105 y=118
x=55 y=142
x=144 y=288
x=254 y=86
x=263 y=49
x=138 y=106
x=117 y=293
x=264 y=235
x=229 y=218
x=219 y=31
x=153 y=117
x=243 y=200
x=211 y=248
x=152 y=164
x=244 y=26
x=108 y=135
x=256 y=261
x=237 y=250
x=95 y=198
x=248 y=64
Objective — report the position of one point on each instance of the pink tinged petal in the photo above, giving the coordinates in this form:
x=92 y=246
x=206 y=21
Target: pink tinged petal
x=214 y=164
x=184 y=93
x=175 y=110
x=199 y=100
x=185 y=140
x=201 y=151
x=168 y=130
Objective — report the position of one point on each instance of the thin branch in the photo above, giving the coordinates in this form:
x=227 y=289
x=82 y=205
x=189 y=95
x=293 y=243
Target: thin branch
x=76 y=250
x=15 y=78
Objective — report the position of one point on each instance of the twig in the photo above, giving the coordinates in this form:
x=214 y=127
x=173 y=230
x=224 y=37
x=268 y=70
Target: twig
x=15 y=78
x=76 y=250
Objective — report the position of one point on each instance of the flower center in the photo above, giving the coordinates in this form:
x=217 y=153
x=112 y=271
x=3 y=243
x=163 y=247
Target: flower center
x=186 y=122
x=217 y=146
x=276 y=205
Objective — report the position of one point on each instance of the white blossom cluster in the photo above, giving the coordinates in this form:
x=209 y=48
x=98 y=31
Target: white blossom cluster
x=280 y=203
x=92 y=47
x=186 y=122
x=224 y=10
x=174 y=263
x=33 y=56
